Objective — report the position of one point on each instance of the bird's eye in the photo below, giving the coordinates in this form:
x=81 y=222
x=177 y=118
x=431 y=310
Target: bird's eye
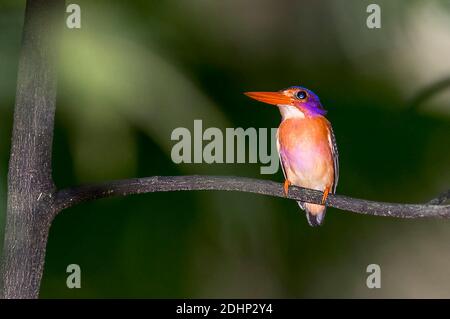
x=301 y=95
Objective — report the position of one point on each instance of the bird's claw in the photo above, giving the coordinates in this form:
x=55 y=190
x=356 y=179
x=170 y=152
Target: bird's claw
x=325 y=194
x=286 y=185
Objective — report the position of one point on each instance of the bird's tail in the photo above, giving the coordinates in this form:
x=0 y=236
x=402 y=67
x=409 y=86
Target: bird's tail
x=315 y=214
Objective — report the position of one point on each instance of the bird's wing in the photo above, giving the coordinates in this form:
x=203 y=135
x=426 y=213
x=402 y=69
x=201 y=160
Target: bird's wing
x=280 y=156
x=335 y=154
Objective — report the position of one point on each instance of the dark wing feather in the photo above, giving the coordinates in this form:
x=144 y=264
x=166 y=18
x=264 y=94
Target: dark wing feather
x=281 y=157
x=335 y=153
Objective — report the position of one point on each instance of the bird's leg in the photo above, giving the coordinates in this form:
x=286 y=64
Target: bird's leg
x=325 y=194
x=287 y=183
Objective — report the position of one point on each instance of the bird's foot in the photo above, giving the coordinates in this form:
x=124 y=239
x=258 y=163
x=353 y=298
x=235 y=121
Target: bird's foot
x=286 y=185
x=325 y=194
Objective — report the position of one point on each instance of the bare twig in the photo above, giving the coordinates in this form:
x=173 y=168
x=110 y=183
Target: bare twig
x=441 y=199
x=69 y=197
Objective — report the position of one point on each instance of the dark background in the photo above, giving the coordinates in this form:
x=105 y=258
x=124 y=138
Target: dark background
x=138 y=69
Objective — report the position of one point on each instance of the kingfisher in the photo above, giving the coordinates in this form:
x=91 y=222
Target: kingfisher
x=306 y=145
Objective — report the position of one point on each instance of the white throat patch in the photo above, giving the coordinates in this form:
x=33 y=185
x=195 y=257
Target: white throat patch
x=289 y=111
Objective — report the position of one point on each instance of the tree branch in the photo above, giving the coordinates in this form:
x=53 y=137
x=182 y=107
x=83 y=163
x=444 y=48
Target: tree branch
x=72 y=196
x=30 y=184
x=441 y=199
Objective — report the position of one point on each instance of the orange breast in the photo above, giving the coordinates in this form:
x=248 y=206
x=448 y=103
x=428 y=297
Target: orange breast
x=305 y=151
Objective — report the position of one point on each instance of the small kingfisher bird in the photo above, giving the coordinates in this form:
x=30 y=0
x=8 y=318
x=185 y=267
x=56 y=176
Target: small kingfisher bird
x=306 y=145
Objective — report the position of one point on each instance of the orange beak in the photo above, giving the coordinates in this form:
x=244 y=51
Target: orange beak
x=274 y=98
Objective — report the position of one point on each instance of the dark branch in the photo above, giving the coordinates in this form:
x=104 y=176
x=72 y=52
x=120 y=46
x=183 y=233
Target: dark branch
x=30 y=184
x=441 y=199
x=70 y=197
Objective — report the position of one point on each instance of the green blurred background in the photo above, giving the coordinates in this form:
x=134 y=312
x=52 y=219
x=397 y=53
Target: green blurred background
x=138 y=69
